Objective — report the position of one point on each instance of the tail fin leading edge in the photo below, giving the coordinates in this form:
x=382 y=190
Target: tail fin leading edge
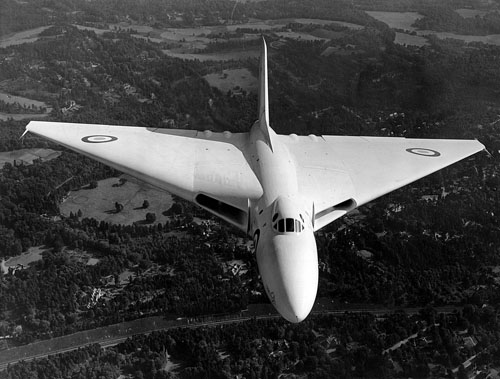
x=263 y=95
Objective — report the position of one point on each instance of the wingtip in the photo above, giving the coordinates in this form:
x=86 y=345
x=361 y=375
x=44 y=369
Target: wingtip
x=487 y=152
x=25 y=132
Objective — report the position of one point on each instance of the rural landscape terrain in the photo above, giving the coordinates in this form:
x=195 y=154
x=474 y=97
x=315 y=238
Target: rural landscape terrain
x=103 y=276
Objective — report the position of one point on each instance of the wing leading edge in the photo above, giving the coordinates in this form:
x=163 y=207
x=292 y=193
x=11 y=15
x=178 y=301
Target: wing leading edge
x=207 y=168
x=339 y=173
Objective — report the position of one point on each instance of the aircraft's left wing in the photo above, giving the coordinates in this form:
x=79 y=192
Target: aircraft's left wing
x=207 y=168
x=339 y=173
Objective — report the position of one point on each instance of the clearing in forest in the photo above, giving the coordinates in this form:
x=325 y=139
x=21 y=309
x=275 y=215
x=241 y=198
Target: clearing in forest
x=27 y=156
x=232 y=80
x=99 y=203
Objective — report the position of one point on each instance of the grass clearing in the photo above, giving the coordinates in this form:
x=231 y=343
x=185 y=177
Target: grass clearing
x=258 y=25
x=228 y=80
x=23 y=101
x=186 y=41
x=21 y=116
x=92 y=262
x=19 y=38
x=405 y=20
x=222 y=56
x=32 y=255
x=492 y=39
x=99 y=203
x=300 y=36
x=410 y=40
x=27 y=156
x=397 y=20
x=316 y=21
x=126 y=277
x=471 y=13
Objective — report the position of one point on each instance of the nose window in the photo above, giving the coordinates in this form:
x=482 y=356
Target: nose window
x=298 y=226
x=288 y=225
x=281 y=226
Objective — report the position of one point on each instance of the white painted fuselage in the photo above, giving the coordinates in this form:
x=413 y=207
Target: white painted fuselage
x=281 y=224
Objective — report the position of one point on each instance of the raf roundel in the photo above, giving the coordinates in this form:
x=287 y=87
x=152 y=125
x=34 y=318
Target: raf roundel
x=423 y=152
x=99 y=138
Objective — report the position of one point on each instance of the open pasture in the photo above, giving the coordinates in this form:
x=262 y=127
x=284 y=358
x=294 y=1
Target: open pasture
x=229 y=79
x=99 y=203
x=410 y=40
x=222 y=56
x=397 y=20
x=19 y=38
x=27 y=156
x=470 y=13
x=32 y=255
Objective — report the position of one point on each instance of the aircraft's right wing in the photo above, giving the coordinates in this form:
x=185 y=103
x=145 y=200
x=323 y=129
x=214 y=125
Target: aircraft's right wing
x=339 y=173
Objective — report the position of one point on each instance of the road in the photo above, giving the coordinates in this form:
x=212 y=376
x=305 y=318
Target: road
x=114 y=334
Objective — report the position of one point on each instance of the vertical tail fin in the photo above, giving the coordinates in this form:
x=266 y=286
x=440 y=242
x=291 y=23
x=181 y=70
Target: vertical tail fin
x=263 y=95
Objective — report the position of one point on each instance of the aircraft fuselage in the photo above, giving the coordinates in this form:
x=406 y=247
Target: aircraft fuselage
x=281 y=225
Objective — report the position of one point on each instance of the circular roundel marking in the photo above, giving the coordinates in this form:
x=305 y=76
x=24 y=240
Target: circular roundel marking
x=99 y=138
x=424 y=152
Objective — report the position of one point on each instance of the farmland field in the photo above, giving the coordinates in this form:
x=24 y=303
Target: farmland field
x=408 y=39
x=32 y=255
x=492 y=39
x=404 y=20
x=470 y=13
x=223 y=56
x=328 y=22
x=189 y=40
x=21 y=116
x=99 y=203
x=24 y=102
x=27 y=156
x=21 y=37
x=229 y=79
x=397 y=20
x=300 y=36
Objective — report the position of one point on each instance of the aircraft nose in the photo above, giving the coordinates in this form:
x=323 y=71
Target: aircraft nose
x=297 y=308
x=292 y=276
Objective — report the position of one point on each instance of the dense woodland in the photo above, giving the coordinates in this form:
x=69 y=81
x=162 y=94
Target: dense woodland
x=423 y=252
x=320 y=347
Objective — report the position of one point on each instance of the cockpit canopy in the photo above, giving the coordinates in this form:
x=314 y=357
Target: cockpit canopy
x=288 y=225
x=287 y=217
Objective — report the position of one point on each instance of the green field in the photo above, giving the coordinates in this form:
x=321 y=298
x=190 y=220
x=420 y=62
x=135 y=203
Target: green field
x=229 y=79
x=405 y=20
x=32 y=255
x=99 y=203
x=27 y=156
x=411 y=40
x=19 y=38
x=397 y=20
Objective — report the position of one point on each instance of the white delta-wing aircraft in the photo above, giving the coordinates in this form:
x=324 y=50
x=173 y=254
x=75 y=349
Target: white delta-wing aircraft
x=279 y=189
